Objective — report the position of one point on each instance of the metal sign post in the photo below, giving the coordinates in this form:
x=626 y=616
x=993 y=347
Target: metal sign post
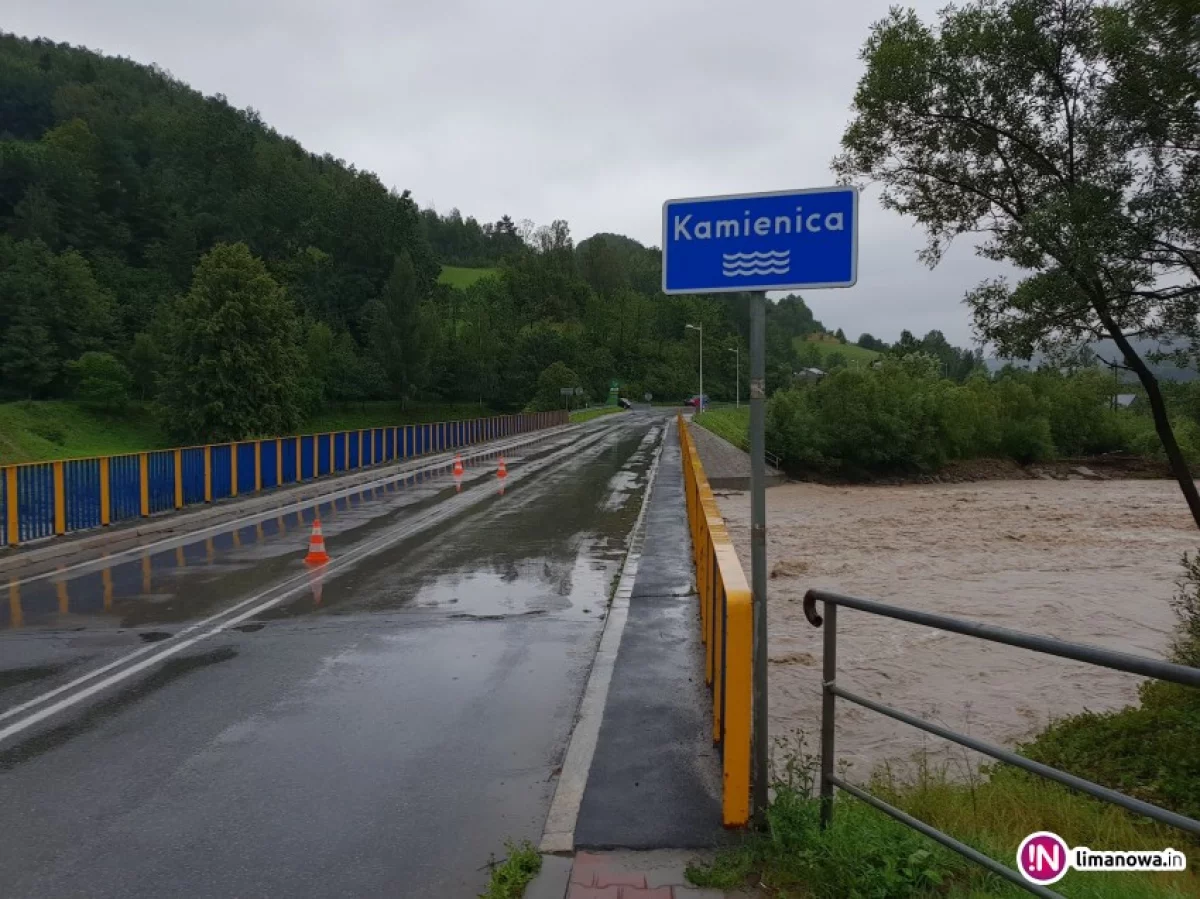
x=752 y=243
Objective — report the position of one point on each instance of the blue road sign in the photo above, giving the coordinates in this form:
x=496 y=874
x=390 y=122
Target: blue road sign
x=773 y=241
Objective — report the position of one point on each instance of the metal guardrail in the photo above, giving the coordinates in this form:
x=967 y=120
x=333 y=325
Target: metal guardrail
x=1081 y=652
x=47 y=499
x=727 y=627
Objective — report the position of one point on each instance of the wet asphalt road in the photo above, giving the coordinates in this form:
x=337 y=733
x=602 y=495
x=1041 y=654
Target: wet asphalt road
x=212 y=720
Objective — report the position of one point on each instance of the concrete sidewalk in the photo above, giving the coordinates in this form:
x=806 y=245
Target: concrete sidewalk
x=727 y=466
x=655 y=778
x=653 y=790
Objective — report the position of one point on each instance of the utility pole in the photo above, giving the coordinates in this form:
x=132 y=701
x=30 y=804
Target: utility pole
x=700 y=328
x=737 y=375
x=759 y=760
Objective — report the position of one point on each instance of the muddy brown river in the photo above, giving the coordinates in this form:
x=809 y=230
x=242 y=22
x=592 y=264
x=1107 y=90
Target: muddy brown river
x=1092 y=562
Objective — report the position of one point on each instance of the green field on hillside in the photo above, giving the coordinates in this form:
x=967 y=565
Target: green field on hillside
x=462 y=278
x=851 y=352
x=57 y=429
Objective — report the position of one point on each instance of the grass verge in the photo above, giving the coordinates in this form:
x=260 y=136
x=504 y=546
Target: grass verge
x=868 y=854
x=588 y=414
x=513 y=874
x=729 y=424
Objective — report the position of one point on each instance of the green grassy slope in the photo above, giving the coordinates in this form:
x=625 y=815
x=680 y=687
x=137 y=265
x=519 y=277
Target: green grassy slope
x=462 y=278
x=730 y=423
x=851 y=352
x=56 y=429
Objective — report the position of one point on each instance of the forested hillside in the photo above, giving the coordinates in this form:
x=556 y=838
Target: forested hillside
x=165 y=247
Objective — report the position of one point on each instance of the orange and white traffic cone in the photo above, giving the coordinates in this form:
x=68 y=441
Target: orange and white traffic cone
x=316 y=546
x=458 y=467
x=502 y=471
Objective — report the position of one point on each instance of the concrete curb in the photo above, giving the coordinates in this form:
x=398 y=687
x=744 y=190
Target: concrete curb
x=51 y=552
x=552 y=880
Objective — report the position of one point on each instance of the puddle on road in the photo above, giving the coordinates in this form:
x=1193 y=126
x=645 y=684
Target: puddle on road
x=552 y=544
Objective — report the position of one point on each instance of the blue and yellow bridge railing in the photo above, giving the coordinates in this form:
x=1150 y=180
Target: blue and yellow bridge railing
x=47 y=499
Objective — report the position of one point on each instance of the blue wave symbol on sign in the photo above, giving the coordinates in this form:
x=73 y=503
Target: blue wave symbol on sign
x=745 y=265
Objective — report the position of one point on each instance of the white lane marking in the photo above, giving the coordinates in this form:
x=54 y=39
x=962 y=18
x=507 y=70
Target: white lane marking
x=293 y=585
x=558 y=835
x=125 y=673
x=435 y=463
x=50 y=694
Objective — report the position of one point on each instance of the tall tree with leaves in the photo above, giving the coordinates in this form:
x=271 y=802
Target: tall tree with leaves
x=233 y=368
x=27 y=358
x=1013 y=119
x=401 y=330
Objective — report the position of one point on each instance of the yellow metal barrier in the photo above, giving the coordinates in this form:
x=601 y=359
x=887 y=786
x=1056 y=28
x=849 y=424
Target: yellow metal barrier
x=727 y=626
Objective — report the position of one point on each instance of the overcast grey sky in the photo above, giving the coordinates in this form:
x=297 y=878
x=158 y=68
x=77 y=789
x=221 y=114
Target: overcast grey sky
x=546 y=109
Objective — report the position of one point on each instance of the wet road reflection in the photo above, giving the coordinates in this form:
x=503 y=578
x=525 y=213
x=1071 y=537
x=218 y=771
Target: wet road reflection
x=379 y=730
x=190 y=579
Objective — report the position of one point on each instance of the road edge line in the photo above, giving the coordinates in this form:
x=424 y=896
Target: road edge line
x=558 y=833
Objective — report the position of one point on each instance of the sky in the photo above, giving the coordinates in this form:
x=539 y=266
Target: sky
x=542 y=109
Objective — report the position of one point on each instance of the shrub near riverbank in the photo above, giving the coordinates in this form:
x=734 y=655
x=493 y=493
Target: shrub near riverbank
x=902 y=417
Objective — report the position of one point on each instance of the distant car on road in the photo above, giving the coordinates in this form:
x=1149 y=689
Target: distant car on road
x=624 y=403
x=696 y=401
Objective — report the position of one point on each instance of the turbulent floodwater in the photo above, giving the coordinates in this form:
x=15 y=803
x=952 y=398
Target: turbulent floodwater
x=1093 y=562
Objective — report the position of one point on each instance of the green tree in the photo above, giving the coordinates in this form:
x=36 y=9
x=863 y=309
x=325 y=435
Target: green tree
x=1021 y=120
x=401 y=330
x=232 y=369
x=27 y=357
x=145 y=360
x=318 y=349
x=834 y=360
x=103 y=381
x=550 y=384
x=58 y=294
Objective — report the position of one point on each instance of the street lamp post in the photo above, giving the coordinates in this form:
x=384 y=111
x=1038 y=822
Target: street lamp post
x=737 y=376
x=700 y=402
